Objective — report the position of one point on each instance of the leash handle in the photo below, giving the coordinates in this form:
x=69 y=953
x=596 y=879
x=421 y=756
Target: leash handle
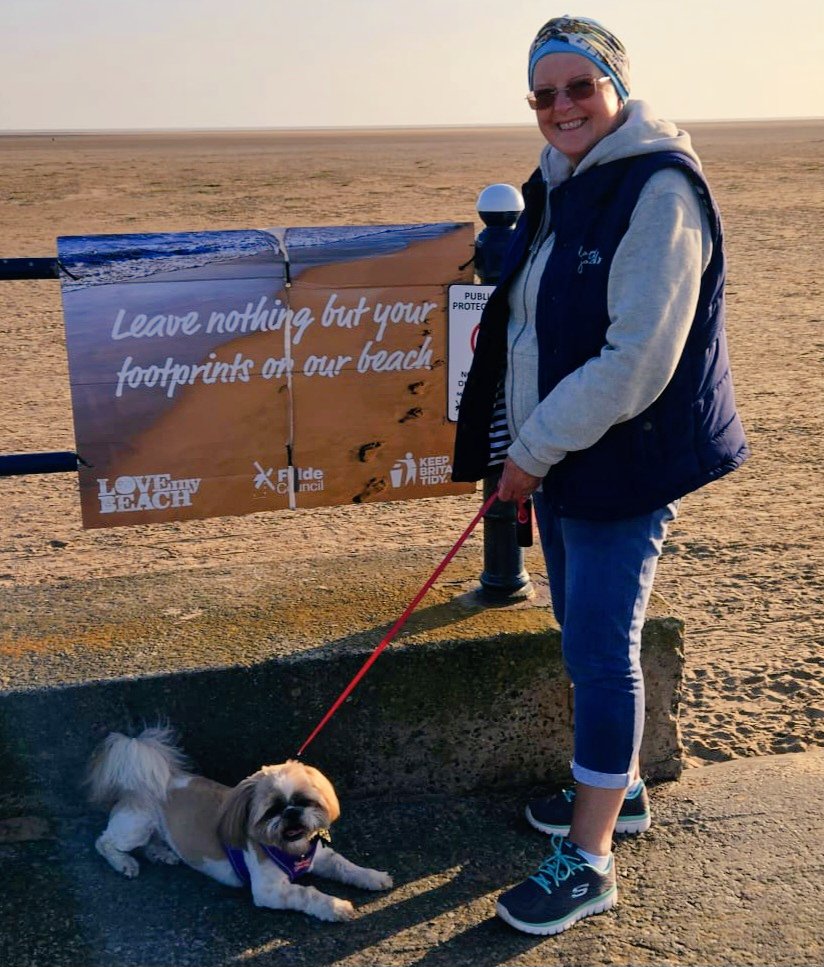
x=523 y=527
x=396 y=627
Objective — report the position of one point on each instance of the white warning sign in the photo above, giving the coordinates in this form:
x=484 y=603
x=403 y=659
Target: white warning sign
x=466 y=303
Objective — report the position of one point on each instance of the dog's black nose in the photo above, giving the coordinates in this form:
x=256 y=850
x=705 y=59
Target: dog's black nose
x=292 y=812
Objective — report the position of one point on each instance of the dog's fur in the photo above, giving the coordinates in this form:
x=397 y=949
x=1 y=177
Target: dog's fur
x=158 y=804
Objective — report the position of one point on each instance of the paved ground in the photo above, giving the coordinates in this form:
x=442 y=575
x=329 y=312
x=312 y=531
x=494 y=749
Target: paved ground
x=730 y=874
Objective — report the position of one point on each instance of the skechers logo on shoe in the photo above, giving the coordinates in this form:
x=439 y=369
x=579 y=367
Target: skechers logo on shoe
x=580 y=891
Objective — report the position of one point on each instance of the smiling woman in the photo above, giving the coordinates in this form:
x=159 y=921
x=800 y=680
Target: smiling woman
x=583 y=107
x=605 y=342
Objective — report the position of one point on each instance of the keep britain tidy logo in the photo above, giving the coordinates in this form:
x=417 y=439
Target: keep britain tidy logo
x=424 y=471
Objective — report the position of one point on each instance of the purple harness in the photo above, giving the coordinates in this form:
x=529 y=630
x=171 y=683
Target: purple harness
x=292 y=866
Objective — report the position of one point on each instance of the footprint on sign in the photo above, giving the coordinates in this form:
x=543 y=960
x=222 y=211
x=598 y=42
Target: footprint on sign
x=374 y=486
x=367 y=451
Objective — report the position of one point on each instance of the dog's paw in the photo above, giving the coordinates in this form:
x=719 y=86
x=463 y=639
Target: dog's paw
x=130 y=867
x=160 y=853
x=340 y=910
x=125 y=864
x=120 y=862
x=376 y=880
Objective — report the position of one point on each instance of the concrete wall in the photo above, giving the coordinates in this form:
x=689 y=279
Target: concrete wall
x=477 y=701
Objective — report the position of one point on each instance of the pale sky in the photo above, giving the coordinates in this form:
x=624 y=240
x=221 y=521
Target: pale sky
x=100 y=64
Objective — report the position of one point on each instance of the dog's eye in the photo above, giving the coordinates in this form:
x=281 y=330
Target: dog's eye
x=275 y=808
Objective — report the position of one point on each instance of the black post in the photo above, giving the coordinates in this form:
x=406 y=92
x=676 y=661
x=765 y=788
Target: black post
x=504 y=578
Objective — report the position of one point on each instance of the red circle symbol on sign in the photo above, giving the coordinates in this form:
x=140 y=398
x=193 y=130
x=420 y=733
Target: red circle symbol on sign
x=473 y=339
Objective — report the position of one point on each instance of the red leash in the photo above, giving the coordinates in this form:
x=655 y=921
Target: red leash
x=400 y=622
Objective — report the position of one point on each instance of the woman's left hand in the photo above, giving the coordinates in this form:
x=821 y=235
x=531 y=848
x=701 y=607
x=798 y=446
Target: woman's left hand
x=516 y=484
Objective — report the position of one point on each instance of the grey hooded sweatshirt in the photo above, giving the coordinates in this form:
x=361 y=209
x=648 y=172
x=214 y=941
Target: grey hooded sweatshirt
x=653 y=289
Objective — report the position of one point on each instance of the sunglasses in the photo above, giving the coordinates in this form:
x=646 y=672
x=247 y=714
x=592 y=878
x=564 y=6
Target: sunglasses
x=580 y=90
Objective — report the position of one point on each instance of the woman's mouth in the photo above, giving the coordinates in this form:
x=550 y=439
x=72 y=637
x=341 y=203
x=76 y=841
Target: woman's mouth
x=571 y=125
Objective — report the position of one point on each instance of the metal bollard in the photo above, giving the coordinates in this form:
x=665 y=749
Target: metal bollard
x=504 y=578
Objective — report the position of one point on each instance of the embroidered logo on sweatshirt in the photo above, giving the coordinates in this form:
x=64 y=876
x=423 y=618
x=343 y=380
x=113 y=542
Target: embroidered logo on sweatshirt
x=588 y=258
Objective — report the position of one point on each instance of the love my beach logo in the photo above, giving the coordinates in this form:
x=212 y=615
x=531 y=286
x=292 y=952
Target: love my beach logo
x=128 y=495
x=194 y=357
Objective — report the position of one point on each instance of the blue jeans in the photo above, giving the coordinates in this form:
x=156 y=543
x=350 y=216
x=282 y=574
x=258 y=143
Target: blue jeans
x=600 y=579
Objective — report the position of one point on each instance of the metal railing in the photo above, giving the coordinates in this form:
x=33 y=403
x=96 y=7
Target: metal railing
x=29 y=269
x=60 y=461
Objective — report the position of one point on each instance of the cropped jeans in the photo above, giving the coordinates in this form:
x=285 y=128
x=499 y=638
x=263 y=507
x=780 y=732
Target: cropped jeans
x=600 y=580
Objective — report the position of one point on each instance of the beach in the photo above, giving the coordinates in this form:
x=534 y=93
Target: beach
x=743 y=564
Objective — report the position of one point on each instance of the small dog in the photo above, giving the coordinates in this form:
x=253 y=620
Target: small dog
x=266 y=831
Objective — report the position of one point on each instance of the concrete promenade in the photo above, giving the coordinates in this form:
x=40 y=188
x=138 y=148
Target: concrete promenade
x=730 y=873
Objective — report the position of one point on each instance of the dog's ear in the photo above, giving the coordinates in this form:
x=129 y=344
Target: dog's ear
x=327 y=792
x=233 y=821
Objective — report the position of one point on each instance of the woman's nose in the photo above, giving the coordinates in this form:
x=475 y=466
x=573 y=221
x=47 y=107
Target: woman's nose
x=562 y=100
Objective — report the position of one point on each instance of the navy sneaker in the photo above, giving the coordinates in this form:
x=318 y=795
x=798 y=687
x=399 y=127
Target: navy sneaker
x=564 y=890
x=554 y=815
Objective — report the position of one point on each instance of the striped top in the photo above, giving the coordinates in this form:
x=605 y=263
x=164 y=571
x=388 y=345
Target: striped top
x=499 y=438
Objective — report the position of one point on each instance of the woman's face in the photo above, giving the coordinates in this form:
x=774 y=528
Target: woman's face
x=573 y=128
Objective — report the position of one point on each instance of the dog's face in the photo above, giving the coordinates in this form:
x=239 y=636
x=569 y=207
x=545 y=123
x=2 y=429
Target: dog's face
x=282 y=806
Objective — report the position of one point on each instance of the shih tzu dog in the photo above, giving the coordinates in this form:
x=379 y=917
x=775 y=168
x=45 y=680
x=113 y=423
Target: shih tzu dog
x=267 y=831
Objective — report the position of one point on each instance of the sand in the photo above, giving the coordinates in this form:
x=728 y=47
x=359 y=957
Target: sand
x=744 y=563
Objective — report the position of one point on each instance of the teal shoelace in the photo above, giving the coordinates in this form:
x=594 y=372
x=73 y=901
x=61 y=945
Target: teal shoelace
x=557 y=867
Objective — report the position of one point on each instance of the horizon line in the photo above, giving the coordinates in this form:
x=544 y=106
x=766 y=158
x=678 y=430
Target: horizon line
x=28 y=132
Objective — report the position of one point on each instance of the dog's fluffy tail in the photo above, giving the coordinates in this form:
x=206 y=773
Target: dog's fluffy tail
x=142 y=767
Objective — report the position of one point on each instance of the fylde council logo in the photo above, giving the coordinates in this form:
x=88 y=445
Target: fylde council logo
x=304 y=479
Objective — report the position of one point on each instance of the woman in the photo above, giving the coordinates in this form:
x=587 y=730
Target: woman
x=605 y=342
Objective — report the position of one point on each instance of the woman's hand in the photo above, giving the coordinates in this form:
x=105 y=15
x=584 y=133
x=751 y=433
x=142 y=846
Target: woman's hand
x=516 y=484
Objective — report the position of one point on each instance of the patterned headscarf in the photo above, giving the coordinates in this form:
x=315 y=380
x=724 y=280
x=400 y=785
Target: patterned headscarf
x=579 y=35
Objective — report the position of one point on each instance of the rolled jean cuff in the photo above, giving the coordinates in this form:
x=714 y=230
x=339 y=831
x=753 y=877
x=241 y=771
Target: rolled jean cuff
x=601 y=780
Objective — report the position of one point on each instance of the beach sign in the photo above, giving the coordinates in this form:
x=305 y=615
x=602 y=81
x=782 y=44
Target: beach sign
x=221 y=373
